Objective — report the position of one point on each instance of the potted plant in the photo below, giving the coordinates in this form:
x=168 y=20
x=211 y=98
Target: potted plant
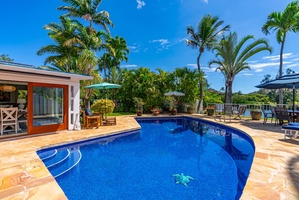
x=156 y=111
x=210 y=110
x=256 y=114
x=190 y=109
x=138 y=105
x=172 y=105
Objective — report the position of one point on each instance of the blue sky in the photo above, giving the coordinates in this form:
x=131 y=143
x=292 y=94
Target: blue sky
x=155 y=31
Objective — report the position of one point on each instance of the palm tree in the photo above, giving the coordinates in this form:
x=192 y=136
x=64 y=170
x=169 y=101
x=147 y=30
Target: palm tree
x=87 y=9
x=5 y=57
x=282 y=23
x=117 y=52
x=208 y=30
x=232 y=57
x=62 y=57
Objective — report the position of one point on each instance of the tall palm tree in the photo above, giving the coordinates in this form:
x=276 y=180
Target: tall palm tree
x=282 y=23
x=232 y=57
x=204 y=37
x=62 y=56
x=87 y=9
x=117 y=52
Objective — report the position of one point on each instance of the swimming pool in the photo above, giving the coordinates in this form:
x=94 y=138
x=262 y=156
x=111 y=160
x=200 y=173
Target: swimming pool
x=141 y=164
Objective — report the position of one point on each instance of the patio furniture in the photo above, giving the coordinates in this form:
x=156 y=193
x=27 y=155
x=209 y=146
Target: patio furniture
x=268 y=114
x=240 y=112
x=91 y=120
x=8 y=118
x=291 y=130
x=110 y=121
x=281 y=115
x=22 y=118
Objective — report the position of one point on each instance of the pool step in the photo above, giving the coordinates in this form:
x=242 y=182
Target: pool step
x=61 y=161
x=60 y=156
x=66 y=164
x=47 y=154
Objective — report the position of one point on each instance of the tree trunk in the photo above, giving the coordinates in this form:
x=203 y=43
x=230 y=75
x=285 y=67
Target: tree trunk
x=228 y=96
x=280 y=68
x=200 y=105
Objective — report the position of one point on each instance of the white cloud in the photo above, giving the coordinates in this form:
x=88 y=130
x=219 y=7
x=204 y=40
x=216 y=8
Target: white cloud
x=259 y=70
x=192 y=65
x=246 y=74
x=161 y=41
x=128 y=66
x=133 y=48
x=205 y=1
x=277 y=57
x=140 y=4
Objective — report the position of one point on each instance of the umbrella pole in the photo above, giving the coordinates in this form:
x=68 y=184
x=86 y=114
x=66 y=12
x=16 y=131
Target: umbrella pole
x=293 y=98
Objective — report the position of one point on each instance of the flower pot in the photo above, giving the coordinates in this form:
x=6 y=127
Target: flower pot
x=174 y=112
x=255 y=115
x=190 y=110
x=210 y=111
x=139 y=112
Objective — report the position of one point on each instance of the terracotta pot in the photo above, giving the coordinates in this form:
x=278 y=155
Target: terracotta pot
x=139 y=112
x=174 y=112
x=190 y=111
x=255 y=115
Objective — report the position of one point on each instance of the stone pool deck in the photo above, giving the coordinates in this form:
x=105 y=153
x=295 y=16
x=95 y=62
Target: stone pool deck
x=274 y=173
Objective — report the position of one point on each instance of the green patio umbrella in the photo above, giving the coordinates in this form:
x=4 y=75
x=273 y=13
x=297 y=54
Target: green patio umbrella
x=103 y=86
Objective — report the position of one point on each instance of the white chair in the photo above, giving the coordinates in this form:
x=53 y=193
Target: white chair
x=8 y=118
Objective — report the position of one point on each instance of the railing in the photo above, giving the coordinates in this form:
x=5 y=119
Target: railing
x=224 y=108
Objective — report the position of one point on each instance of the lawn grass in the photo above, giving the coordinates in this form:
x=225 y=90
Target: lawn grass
x=121 y=113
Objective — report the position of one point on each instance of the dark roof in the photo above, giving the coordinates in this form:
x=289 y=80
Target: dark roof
x=16 y=64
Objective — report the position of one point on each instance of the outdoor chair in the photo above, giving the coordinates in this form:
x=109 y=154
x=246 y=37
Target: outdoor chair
x=91 y=120
x=291 y=130
x=8 y=118
x=268 y=114
x=281 y=115
x=240 y=112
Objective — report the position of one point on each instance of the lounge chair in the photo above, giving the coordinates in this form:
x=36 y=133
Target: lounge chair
x=291 y=130
x=240 y=112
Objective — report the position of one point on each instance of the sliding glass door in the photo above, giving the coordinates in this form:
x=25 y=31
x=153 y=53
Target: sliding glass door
x=47 y=107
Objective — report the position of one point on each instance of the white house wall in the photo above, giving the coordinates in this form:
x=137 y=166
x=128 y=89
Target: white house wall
x=72 y=80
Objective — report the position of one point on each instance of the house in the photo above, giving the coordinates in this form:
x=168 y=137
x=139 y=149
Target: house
x=48 y=100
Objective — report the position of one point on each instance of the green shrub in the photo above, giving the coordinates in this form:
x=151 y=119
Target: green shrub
x=103 y=106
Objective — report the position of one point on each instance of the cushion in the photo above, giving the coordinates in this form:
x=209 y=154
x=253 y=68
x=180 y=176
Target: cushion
x=88 y=112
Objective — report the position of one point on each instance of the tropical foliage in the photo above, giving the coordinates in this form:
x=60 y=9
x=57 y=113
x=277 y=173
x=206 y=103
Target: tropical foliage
x=282 y=23
x=204 y=37
x=103 y=106
x=151 y=86
x=5 y=57
x=232 y=56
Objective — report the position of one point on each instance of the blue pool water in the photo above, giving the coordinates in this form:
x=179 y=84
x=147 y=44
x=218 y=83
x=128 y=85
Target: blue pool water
x=141 y=164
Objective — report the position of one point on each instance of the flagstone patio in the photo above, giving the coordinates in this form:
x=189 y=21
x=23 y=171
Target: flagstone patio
x=274 y=173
